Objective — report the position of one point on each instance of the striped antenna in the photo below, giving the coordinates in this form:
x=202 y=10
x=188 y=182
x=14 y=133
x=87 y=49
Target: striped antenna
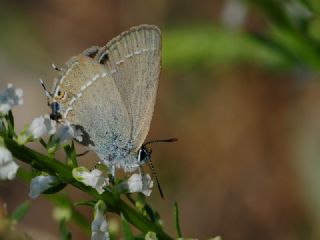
x=48 y=94
x=154 y=175
x=55 y=67
x=160 y=140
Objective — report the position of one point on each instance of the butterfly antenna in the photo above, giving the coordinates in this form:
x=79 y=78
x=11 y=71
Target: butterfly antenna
x=154 y=175
x=161 y=140
x=48 y=94
x=55 y=67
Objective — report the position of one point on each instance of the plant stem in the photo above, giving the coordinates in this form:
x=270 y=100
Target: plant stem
x=64 y=173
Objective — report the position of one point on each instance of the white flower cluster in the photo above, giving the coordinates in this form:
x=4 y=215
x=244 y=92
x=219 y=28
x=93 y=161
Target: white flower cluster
x=9 y=98
x=8 y=167
x=96 y=180
x=43 y=125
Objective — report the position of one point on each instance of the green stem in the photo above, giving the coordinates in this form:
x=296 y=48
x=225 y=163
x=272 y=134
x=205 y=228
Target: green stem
x=64 y=172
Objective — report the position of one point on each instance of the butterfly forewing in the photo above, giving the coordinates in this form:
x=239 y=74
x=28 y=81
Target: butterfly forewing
x=74 y=77
x=94 y=105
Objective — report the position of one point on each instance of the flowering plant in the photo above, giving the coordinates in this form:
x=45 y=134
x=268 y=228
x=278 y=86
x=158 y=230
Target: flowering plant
x=50 y=176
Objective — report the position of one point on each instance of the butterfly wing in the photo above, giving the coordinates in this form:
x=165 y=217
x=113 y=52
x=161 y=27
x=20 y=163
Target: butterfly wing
x=92 y=103
x=73 y=69
x=134 y=58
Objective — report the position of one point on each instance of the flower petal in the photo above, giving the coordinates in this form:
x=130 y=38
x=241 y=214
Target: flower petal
x=140 y=183
x=38 y=127
x=93 y=178
x=9 y=98
x=99 y=226
x=8 y=168
x=66 y=132
x=41 y=183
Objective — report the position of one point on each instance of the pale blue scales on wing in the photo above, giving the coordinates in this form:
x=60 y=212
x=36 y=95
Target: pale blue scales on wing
x=110 y=92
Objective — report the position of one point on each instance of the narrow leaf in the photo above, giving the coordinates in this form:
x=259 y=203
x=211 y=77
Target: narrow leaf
x=71 y=155
x=20 y=211
x=85 y=203
x=43 y=143
x=127 y=234
x=64 y=233
x=153 y=215
x=54 y=189
x=10 y=122
x=176 y=220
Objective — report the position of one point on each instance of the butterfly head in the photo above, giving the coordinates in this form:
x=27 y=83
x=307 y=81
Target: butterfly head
x=55 y=111
x=53 y=102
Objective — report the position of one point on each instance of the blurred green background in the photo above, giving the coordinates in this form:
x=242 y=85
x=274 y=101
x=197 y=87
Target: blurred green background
x=239 y=88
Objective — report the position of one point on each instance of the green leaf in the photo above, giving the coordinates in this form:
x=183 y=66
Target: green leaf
x=43 y=143
x=20 y=211
x=127 y=234
x=2 y=126
x=64 y=233
x=153 y=214
x=10 y=122
x=54 y=189
x=176 y=220
x=91 y=203
x=71 y=155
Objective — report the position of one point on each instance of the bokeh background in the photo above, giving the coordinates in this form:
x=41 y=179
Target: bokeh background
x=239 y=88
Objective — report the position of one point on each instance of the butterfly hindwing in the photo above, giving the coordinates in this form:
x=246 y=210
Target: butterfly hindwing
x=134 y=58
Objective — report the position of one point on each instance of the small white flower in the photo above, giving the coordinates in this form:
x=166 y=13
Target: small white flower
x=39 y=127
x=50 y=125
x=66 y=132
x=140 y=183
x=41 y=183
x=92 y=178
x=9 y=98
x=8 y=168
x=99 y=226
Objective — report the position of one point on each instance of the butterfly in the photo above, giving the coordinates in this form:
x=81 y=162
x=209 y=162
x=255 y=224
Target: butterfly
x=109 y=93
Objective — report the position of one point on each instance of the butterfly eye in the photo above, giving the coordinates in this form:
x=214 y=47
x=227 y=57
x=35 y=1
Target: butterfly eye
x=144 y=155
x=60 y=94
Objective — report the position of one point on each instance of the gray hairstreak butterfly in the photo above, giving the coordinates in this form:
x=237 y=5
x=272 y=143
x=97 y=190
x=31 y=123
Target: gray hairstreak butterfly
x=109 y=93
